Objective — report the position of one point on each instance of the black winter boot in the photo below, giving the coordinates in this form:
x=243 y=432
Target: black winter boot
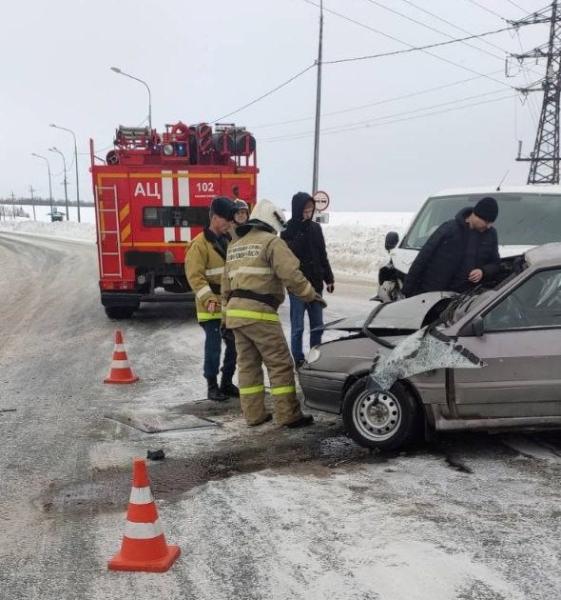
x=214 y=392
x=228 y=388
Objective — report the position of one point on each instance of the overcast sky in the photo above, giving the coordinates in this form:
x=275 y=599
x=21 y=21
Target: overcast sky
x=203 y=60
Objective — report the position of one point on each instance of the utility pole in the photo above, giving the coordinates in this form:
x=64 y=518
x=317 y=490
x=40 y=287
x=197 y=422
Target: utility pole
x=318 y=101
x=31 y=190
x=544 y=160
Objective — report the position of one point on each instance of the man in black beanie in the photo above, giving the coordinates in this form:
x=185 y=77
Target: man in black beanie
x=204 y=265
x=305 y=238
x=459 y=254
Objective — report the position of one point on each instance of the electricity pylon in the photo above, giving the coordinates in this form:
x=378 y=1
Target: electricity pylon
x=544 y=160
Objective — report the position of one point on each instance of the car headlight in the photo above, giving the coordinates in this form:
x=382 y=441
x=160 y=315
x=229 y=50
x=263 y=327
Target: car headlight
x=313 y=355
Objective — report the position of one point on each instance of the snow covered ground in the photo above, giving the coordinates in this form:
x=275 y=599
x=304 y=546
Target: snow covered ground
x=258 y=513
x=355 y=240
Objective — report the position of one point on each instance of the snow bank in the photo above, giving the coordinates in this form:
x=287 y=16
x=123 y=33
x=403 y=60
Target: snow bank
x=61 y=229
x=355 y=240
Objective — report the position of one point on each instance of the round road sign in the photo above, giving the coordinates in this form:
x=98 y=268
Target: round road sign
x=322 y=201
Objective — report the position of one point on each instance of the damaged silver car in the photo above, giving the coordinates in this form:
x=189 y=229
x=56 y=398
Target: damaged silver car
x=486 y=360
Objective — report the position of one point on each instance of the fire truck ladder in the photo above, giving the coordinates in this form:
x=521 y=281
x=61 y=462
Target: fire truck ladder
x=108 y=239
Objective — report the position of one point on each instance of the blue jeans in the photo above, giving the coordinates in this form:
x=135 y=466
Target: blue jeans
x=213 y=346
x=297 y=311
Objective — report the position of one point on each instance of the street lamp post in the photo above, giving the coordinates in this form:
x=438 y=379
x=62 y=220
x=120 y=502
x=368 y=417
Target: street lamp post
x=31 y=190
x=118 y=71
x=54 y=149
x=76 y=164
x=50 y=179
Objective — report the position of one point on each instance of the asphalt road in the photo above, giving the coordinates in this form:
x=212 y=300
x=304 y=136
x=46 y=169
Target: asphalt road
x=258 y=514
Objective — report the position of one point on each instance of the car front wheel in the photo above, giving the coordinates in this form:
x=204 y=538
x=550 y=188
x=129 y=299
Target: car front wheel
x=386 y=420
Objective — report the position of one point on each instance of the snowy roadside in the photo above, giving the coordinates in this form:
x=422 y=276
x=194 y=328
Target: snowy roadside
x=258 y=513
x=84 y=232
x=355 y=240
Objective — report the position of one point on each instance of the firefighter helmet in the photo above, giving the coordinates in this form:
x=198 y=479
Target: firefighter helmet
x=266 y=212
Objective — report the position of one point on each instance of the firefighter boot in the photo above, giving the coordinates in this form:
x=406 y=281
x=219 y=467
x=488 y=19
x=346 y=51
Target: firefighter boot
x=228 y=388
x=303 y=421
x=214 y=393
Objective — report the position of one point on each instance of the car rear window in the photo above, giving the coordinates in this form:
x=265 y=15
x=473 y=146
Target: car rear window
x=524 y=219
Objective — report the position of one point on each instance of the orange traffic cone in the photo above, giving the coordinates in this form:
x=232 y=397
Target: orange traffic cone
x=144 y=546
x=120 y=369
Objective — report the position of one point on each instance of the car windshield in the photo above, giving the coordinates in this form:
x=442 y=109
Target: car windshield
x=462 y=304
x=524 y=219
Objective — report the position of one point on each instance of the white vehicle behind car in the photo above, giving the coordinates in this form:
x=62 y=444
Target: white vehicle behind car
x=529 y=216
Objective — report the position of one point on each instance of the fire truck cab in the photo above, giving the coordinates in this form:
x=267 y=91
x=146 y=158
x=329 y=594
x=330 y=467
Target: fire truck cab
x=152 y=195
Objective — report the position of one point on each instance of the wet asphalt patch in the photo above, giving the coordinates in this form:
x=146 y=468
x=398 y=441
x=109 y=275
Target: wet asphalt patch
x=317 y=451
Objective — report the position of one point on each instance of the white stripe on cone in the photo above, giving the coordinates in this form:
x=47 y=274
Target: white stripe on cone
x=119 y=348
x=143 y=531
x=141 y=495
x=120 y=364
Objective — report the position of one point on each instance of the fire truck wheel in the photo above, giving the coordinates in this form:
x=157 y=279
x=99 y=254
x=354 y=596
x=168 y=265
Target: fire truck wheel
x=120 y=312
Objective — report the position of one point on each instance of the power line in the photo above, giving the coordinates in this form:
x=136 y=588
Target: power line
x=411 y=47
x=435 y=16
x=288 y=138
x=272 y=91
x=415 y=110
x=371 y=104
x=417 y=22
x=375 y=122
x=489 y=10
x=380 y=55
x=423 y=48
x=518 y=6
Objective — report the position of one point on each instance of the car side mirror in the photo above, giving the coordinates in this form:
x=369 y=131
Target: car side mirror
x=474 y=328
x=392 y=239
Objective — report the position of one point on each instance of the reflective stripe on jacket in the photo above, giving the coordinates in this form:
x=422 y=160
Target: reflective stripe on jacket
x=204 y=266
x=262 y=263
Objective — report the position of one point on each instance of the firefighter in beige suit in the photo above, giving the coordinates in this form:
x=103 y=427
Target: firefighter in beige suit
x=259 y=265
x=204 y=265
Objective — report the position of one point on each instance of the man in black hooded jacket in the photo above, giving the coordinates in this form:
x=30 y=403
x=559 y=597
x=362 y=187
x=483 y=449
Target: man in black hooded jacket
x=459 y=254
x=305 y=238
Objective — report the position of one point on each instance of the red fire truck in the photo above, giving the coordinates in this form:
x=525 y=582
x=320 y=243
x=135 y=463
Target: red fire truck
x=152 y=194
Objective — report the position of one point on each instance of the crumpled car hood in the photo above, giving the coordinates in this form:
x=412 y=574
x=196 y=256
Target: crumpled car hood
x=409 y=313
x=422 y=351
